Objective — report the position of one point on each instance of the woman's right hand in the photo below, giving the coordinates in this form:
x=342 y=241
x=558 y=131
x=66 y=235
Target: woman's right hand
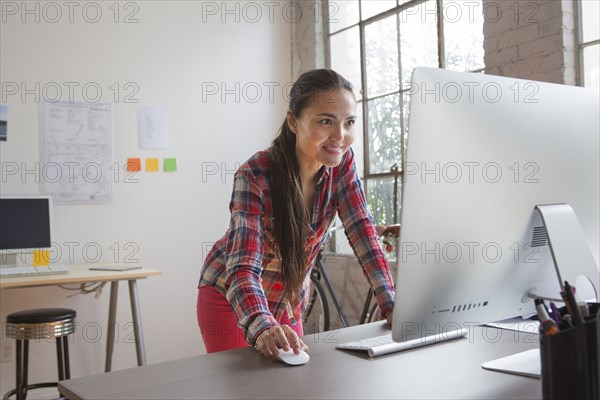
x=388 y=230
x=271 y=340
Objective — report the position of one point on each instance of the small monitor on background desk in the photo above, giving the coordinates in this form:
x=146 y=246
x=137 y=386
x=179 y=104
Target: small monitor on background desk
x=26 y=226
x=482 y=152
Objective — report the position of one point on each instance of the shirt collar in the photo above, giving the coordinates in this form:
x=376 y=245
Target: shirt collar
x=323 y=173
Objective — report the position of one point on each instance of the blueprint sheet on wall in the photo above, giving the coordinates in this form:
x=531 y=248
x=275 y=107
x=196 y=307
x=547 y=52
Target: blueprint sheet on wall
x=76 y=161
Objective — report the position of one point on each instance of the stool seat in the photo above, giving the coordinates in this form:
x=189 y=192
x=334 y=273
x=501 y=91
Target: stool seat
x=42 y=323
x=40 y=316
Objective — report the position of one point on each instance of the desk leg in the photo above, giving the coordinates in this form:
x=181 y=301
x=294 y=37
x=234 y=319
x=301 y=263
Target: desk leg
x=112 y=312
x=137 y=323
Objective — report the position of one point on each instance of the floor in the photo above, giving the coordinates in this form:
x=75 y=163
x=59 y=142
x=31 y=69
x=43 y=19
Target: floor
x=42 y=394
x=350 y=286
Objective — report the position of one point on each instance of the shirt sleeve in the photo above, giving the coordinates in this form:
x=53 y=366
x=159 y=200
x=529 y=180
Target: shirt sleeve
x=359 y=227
x=243 y=260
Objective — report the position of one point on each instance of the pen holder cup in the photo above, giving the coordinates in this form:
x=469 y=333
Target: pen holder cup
x=569 y=360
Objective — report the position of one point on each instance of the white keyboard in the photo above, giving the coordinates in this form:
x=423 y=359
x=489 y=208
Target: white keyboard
x=384 y=344
x=27 y=270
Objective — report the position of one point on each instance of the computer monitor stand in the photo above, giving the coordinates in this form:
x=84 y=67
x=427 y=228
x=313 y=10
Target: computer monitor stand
x=568 y=245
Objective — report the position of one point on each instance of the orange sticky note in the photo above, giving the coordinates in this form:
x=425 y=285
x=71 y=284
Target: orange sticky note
x=41 y=258
x=134 y=164
x=152 y=164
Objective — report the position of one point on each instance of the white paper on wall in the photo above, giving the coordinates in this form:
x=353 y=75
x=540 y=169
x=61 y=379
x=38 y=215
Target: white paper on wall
x=77 y=152
x=153 y=127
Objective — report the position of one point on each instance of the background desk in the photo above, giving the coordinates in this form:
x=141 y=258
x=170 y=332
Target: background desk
x=79 y=274
x=445 y=370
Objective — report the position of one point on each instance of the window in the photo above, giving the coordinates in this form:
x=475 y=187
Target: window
x=376 y=44
x=589 y=43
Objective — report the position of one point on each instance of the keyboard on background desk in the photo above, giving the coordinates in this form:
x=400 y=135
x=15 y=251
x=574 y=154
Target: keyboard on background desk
x=27 y=270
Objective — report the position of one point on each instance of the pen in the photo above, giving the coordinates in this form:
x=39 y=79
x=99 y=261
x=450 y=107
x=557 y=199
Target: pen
x=583 y=307
x=549 y=327
x=567 y=320
x=554 y=313
x=571 y=303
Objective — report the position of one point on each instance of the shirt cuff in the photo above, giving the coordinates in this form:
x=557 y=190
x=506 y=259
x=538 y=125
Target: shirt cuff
x=386 y=302
x=258 y=326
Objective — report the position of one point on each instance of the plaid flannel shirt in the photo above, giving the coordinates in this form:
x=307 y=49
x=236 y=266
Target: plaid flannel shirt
x=244 y=264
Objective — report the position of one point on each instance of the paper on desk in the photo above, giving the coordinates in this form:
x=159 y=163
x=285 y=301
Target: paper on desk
x=526 y=363
x=517 y=324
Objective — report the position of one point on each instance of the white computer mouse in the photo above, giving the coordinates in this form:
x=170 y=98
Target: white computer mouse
x=289 y=358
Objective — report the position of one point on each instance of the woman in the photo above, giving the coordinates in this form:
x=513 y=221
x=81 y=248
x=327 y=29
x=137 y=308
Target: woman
x=254 y=283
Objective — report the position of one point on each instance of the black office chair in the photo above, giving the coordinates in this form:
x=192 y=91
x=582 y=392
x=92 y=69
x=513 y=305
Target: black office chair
x=43 y=323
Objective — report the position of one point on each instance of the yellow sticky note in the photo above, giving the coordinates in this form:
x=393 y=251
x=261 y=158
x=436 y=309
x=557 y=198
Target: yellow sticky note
x=152 y=164
x=41 y=258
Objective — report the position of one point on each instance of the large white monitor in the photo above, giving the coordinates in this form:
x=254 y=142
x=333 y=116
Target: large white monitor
x=482 y=152
x=25 y=225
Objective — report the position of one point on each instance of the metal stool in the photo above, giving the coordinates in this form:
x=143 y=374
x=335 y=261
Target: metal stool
x=43 y=323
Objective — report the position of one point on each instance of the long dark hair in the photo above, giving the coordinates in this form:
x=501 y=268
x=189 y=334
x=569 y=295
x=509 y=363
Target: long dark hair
x=291 y=216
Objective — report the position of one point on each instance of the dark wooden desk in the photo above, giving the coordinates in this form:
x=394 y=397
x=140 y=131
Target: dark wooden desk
x=445 y=370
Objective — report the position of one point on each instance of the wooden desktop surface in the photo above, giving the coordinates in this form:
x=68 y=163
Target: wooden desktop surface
x=444 y=370
x=76 y=274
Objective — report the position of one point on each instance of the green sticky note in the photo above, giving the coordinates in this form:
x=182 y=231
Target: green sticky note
x=169 y=164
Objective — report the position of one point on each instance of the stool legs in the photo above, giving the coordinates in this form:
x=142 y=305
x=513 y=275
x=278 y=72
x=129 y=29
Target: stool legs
x=62 y=355
x=59 y=358
x=66 y=350
x=22 y=365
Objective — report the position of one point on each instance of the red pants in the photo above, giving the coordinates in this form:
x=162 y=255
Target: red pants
x=218 y=322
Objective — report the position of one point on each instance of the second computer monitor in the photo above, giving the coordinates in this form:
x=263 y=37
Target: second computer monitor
x=25 y=225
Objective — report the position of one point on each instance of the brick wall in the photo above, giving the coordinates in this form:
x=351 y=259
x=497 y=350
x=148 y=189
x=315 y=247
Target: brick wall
x=531 y=40
x=307 y=36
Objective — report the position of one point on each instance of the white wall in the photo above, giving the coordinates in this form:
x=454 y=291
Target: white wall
x=168 y=54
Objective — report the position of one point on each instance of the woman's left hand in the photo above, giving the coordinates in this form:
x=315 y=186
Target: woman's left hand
x=389 y=317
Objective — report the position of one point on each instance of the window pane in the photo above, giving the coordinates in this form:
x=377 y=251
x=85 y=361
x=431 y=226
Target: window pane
x=345 y=56
x=342 y=14
x=358 y=145
x=384 y=133
x=405 y=109
x=380 y=195
x=382 y=56
x=590 y=9
x=463 y=35
x=380 y=198
x=591 y=55
x=418 y=39
x=370 y=8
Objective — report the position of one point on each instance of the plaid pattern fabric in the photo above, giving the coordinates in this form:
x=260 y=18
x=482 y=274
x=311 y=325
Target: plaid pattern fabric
x=244 y=264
